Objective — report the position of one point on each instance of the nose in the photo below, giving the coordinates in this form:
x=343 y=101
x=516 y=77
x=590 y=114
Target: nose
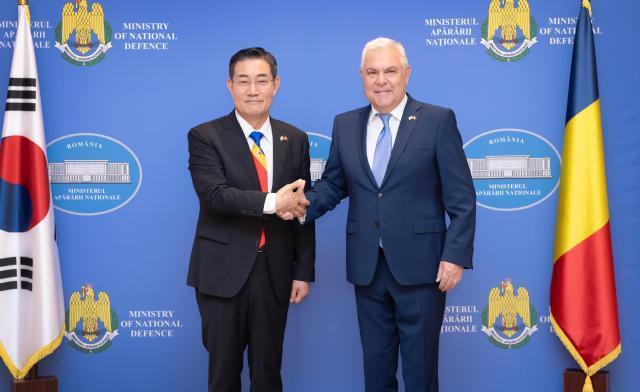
x=253 y=88
x=381 y=79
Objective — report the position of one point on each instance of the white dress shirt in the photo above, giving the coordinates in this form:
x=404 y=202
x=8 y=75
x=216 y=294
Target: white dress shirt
x=375 y=125
x=266 y=144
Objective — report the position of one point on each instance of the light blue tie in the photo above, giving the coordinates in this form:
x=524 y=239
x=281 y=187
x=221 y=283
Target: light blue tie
x=383 y=150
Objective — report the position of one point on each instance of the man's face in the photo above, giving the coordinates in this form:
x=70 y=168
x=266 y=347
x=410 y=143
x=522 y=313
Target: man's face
x=383 y=78
x=253 y=88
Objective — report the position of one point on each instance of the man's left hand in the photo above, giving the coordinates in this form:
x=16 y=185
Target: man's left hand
x=449 y=275
x=299 y=290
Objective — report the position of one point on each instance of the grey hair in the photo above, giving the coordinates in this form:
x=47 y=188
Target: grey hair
x=383 y=42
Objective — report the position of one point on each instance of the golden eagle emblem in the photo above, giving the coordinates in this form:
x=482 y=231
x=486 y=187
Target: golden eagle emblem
x=83 y=22
x=505 y=14
x=83 y=306
x=502 y=301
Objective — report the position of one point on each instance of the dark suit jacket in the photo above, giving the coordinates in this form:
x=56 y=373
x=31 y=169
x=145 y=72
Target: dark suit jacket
x=427 y=175
x=231 y=205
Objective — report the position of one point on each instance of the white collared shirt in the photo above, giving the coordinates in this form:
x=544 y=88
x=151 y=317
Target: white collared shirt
x=375 y=125
x=266 y=144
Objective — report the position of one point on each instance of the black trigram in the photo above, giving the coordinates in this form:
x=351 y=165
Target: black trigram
x=12 y=273
x=21 y=95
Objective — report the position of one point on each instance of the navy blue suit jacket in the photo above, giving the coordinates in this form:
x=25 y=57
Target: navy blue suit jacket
x=427 y=175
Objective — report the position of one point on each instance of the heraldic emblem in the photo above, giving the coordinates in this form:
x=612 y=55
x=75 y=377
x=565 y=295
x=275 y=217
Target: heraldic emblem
x=509 y=319
x=83 y=36
x=89 y=321
x=510 y=30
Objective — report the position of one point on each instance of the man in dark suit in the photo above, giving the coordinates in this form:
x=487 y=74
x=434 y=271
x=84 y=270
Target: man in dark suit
x=247 y=264
x=402 y=166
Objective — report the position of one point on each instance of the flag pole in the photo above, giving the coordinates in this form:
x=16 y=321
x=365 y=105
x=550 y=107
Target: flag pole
x=23 y=2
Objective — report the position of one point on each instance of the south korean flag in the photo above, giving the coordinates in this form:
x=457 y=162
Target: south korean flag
x=31 y=298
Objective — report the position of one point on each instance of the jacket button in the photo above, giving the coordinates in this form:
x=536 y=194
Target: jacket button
x=256 y=244
x=379 y=195
x=376 y=224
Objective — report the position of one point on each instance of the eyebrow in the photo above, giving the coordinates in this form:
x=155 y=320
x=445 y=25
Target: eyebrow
x=262 y=75
x=393 y=68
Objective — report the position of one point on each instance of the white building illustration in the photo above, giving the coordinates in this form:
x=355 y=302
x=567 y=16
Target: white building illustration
x=89 y=172
x=317 y=168
x=509 y=166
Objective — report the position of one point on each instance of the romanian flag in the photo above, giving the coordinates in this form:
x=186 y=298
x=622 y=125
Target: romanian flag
x=584 y=311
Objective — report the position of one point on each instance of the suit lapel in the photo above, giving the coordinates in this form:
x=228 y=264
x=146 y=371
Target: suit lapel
x=361 y=135
x=404 y=134
x=238 y=142
x=280 y=148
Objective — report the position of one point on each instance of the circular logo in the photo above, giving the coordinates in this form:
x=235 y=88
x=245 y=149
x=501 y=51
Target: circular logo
x=512 y=169
x=24 y=186
x=319 y=153
x=92 y=174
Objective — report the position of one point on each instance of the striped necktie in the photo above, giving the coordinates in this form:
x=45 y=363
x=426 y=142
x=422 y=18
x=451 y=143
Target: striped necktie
x=260 y=161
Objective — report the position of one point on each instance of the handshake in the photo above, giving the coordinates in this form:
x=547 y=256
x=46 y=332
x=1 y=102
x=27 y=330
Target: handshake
x=290 y=201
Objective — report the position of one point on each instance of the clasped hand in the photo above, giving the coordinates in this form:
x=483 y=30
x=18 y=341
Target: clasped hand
x=290 y=201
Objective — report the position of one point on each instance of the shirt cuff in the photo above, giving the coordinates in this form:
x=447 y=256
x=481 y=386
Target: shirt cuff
x=302 y=218
x=269 y=204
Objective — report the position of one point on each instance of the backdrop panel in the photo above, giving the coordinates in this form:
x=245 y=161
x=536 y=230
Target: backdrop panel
x=124 y=109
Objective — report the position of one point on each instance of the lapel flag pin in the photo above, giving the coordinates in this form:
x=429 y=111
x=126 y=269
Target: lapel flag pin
x=411 y=118
x=284 y=139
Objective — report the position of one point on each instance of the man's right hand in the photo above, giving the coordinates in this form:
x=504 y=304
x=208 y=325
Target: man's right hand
x=290 y=201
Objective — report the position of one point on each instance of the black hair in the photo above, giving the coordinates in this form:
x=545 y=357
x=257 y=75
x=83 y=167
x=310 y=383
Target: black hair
x=253 y=53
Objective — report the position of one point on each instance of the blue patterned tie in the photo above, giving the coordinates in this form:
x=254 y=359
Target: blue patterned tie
x=256 y=136
x=383 y=150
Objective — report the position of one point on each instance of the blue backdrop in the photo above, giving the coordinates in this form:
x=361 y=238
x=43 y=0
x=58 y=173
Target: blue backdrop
x=165 y=72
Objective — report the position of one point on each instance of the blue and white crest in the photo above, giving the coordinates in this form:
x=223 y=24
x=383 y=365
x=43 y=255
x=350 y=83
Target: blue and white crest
x=92 y=174
x=512 y=169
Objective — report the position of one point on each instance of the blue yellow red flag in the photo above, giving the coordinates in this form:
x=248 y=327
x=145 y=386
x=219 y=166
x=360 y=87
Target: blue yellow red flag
x=584 y=310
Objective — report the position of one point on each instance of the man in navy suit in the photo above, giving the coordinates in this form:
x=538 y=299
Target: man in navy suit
x=402 y=165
